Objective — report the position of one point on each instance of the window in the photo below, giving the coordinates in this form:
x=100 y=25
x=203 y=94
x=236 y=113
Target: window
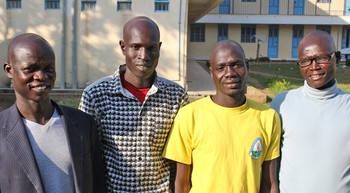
x=345 y=37
x=52 y=4
x=272 y=45
x=326 y=28
x=298 y=34
x=13 y=4
x=224 y=7
x=247 y=33
x=248 y=0
x=298 y=31
x=124 y=5
x=222 y=32
x=161 y=5
x=88 y=5
x=323 y=1
x=197 y=32
x=274 y=7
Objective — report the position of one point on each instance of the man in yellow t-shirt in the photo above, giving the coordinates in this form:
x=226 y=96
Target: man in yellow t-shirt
x=225 y=142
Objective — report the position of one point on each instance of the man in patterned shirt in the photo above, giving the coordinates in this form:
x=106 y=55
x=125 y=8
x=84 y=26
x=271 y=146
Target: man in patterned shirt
x=134 y=110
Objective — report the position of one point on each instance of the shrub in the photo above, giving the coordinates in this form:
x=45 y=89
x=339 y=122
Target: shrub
x=264 y=59
x=279 y=85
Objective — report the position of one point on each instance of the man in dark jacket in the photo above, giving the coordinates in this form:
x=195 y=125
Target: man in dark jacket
x=44 y=147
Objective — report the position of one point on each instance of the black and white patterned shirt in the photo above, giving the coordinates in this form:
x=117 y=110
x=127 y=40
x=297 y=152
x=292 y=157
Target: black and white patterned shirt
x=133 y=134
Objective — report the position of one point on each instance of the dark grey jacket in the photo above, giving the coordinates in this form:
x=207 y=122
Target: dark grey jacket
x=19 y=171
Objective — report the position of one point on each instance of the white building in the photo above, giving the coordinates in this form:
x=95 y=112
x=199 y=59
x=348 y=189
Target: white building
x=85 y=34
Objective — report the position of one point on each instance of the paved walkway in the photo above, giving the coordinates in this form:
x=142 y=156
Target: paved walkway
x=198 y=79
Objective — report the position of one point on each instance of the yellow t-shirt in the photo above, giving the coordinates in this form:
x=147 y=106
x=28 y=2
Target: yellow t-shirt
x=225 y=146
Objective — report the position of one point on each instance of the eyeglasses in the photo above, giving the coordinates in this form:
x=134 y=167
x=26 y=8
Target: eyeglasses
x=318 y=60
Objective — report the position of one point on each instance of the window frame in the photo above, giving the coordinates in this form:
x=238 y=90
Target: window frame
x=128 y=6
x=197 y=32
x=247 y=33
x=163 y=4
x=298 y=31
x=54 y=4
x=222 y=32
x=225 y=7
x=88 y=5
x=13 y=4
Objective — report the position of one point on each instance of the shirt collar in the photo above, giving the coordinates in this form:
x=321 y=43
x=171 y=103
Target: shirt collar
x=323 y=94
x=158 y=84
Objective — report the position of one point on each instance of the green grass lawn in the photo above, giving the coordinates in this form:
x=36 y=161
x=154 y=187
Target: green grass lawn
x=277 y=69
x=70 y=101
x=277 y=77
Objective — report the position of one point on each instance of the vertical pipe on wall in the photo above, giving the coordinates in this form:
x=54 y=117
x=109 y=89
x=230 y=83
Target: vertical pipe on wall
x=179 y=42
x=74 y=43
x=63 y=46
x=260 y=7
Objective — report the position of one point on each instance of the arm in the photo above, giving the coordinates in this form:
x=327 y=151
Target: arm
x=185 y=100
x=86 y=103
x=182 y=180
x=98 y=166
x=269 y=182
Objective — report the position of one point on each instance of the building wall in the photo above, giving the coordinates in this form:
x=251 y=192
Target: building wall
x=246 y=7
x=95 y=47
x=332 y=14
x=285 y=48
x=201 y=50
x=323 y=8
x=337 y=32
x=31 y=18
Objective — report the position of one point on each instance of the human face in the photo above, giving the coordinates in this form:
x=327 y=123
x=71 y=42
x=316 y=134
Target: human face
x=318 y=74
x=32 y=70
x=229 y=71
x=141 y=49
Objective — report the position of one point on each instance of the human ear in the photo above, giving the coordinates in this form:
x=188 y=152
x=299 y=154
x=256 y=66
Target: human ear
x=210 y=71
x=122 y=46
x=247 y=64
x=160 y=44
x=337 y=56
x=8 y=70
